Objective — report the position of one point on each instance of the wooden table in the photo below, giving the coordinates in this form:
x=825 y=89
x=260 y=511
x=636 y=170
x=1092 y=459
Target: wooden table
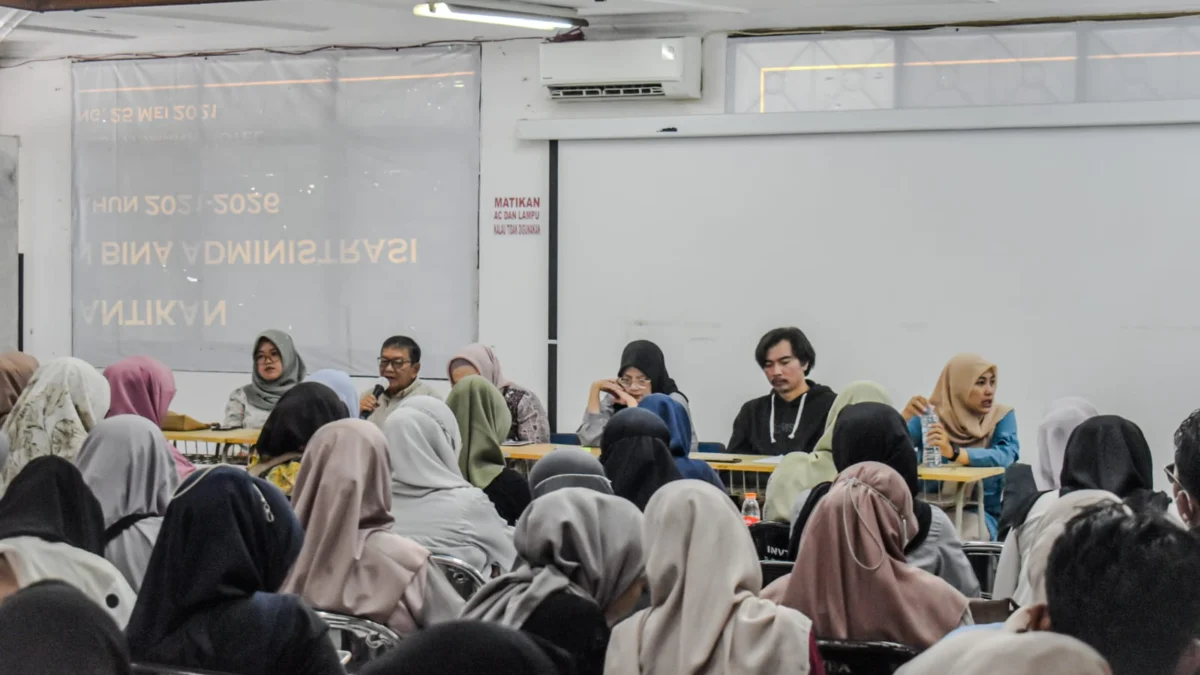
x=222 y=439
x=963 y=477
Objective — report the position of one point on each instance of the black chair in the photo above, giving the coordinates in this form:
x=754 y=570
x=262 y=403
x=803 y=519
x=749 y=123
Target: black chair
x=466 y=579
x=773 y=569
x=864 y=658
x=363 y=639
x=985 y=559
x=564 y=439
x=710 y=446
x=151 y=669
x=771 y=540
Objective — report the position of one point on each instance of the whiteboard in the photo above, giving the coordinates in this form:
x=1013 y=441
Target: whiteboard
x=1070 y=257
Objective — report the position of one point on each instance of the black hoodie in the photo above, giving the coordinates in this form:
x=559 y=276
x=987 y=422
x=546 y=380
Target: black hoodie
x=751 y=429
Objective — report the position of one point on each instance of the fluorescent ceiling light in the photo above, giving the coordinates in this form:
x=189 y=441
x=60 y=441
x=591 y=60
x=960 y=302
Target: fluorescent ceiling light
x=500 y=17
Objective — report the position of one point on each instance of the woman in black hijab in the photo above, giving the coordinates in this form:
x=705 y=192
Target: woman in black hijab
x=473 y=648
x=210 y=597
x=636 y=455
x=305 y=408
x=643 y=372
x=50 y=501
x=874 y=432
x=51 y=627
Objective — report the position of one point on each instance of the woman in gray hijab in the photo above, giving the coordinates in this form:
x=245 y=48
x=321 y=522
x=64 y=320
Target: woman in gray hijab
x=127 y=463
x=568 y=467
x=277 y=368
x=583 y=573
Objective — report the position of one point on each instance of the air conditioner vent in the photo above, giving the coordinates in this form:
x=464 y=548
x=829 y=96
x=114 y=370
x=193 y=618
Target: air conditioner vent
x=647 y=90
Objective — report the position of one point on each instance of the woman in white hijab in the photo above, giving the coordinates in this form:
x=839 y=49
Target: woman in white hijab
x=706 y=615
x=127 y=463
x=583 y=572
x=983 y=652
x=432 y=503
x=64 y=400
x=1053 y=433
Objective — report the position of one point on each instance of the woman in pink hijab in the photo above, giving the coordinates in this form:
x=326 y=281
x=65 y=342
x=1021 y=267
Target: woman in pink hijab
x=144 y=387
x=530 y=424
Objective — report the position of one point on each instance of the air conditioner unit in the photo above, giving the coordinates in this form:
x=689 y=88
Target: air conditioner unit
x=625 y=69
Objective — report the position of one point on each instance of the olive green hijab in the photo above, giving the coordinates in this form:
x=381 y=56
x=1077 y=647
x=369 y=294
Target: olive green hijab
x=484 y=421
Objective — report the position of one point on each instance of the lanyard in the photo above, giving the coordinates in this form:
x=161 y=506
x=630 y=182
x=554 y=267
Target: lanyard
x=795 y=426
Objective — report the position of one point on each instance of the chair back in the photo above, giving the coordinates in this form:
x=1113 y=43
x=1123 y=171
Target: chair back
x=365 y=640
x=773 y=569
x=771 y=540
x=710 y=446
x=152 y=669
x=863 y=658
x=466 y=579
x=564 y=439
x=985 y=560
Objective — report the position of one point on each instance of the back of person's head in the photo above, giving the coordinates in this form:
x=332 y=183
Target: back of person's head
x=563 y=468
x=472 y=648
x=673 y=414
x=1187 y=458
x=1128 y=584
x=874 y=432
x=633 y=423
x=305 y=408
x=51 y=627
x=404 y=342
x=49 y=500
x=802 y=349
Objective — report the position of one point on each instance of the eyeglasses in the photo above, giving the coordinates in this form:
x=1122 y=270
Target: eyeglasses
x=634 y=383
x=1170 y=471
x=267 y=358
x=394 y=364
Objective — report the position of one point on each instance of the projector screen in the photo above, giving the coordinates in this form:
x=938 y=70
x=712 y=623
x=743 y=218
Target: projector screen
x=1066 y=256
x=332 y=195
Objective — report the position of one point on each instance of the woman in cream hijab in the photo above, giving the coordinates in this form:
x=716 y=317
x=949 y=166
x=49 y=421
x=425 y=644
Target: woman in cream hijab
x=706 y=617
x=16 y=368
x=64 y=400
x=1053 y=433
x=431 y=501
x=798 y=472
x=1002 y=653
x=583 y=572
x=973 y=430
x=352 y=563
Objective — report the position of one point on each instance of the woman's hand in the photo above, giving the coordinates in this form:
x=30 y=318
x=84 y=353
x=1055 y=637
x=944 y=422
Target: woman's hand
x=916 y=407
x=936 y=437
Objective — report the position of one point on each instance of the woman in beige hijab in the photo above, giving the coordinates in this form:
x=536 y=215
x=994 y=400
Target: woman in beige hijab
x=351 y=562
x=973 y=430
x=706 y=616
x=16 y=369
x=1000 y=653
x=851 y=576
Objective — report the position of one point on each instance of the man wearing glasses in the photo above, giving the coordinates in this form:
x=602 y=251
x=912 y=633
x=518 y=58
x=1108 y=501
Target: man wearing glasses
x=400 y=363
x=1185 y=472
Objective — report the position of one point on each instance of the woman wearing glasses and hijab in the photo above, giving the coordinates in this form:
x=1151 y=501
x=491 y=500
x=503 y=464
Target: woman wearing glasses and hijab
x=277 y=368
x=643 y=372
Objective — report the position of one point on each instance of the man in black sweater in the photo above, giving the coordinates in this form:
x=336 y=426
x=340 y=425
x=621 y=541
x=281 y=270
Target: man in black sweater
x=792 y=417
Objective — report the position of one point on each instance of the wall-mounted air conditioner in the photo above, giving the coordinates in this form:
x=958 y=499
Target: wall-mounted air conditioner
x=590 y=71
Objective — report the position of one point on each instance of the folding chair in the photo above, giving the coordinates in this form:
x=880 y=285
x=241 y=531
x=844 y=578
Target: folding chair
x=985 y=559
x=365 y=640
x=466 y=579
x=864 y=658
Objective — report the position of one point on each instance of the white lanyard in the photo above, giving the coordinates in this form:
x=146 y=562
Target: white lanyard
x=795 y=426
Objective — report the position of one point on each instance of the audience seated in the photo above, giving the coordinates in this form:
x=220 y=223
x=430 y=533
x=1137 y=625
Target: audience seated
x=51 y=628
x=351 y=562
x=210 y=597
x=63 y=401
x=473 y=648
x=635 y=455
x=1107 y=453
x=799 y=472
x=851 y=575
x=643 y=372
x=298 y=415
x=1184 y=473
x=431 y=501
x=341 y=384
x=999 y=653
x=52 y=527
x=277 y=368
x=530 y=423
x=568 y=467
x=400 y=365
x=792 y=417
x=583 y=571
x=16 y=369
x=483 y=422
x=1061 y=419
x=874 y=432
x=706 y=616
x=144 y=387
x=973 y=430
x=680 y=425
x=127 y=463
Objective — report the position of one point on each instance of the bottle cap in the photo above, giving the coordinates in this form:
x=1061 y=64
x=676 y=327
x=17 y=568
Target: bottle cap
x=751 y=495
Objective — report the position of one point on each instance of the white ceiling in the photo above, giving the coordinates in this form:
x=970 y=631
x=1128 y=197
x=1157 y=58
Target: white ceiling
x=302 y=23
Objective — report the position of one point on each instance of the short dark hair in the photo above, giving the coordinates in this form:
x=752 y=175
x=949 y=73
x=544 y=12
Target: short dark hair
x=1187 y=454
x=1128 y=584
x=801 y=347
x=404 y=342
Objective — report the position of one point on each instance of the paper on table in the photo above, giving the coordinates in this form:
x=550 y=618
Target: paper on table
x=774 y=459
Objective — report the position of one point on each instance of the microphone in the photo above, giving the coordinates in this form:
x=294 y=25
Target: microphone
x=381 y=385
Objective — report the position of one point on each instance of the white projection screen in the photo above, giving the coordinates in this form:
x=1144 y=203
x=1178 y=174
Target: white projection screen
x=332 y=195
x=1066 y=256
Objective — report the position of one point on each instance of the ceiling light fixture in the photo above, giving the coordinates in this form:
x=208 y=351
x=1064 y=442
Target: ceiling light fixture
x=499 y=17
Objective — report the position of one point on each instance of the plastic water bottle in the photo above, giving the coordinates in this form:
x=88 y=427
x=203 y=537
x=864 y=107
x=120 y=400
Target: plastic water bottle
x=750 y=512
x=931 y=456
